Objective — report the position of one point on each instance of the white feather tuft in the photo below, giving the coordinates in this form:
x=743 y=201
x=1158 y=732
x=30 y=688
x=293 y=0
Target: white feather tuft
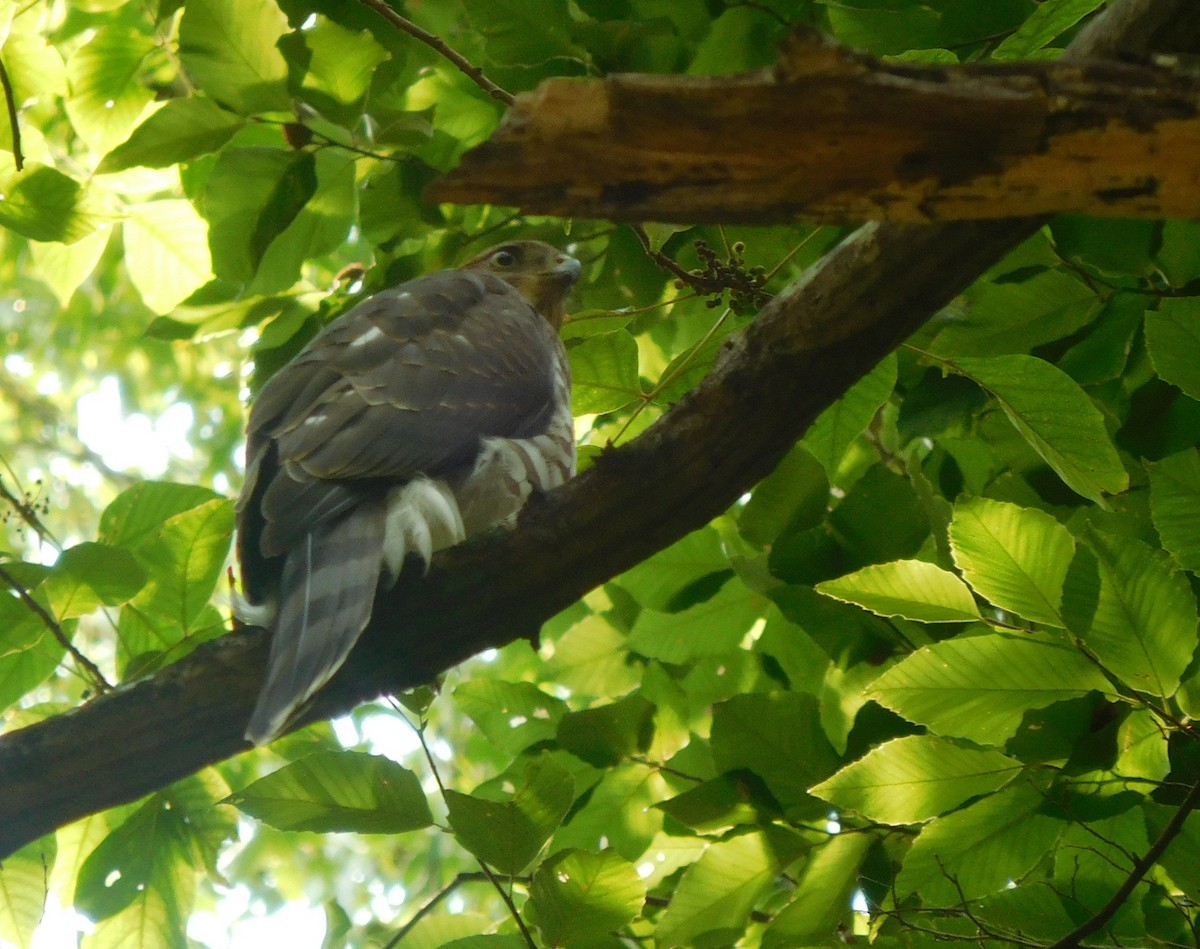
x=422 y=518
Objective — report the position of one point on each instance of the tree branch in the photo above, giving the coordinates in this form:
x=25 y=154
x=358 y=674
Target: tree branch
x=807 y=346
x=438 y=45
x=1140 y=869
x=833 y=136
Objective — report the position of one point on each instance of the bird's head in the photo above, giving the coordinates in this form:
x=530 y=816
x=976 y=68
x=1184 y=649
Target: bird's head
x=542 y=274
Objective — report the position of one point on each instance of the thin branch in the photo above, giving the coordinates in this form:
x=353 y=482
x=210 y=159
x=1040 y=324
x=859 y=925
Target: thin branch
x=487 y=871
x=1140 y=869
x=696 y=282
x=14 y=125
x=472 y=72
x=26 y=512
x=99 y=683
x=434 y=902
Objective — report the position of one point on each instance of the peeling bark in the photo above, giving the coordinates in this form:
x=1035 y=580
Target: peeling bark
x=832 y=136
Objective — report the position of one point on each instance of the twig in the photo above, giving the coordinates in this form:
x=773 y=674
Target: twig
x=472 y=72
x=26 y=512
x=1140 y=869
x=487 y=871
x=434 y=902
x=697 y=283
x=99 y=683
x=10 y=102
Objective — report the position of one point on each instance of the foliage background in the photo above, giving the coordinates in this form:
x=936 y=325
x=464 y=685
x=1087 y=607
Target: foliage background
x=939 y=666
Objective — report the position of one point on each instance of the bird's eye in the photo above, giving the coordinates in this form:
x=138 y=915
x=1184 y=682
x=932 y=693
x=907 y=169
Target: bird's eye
x=504 y=259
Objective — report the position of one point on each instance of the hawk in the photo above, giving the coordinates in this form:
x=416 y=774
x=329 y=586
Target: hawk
x=426 y=413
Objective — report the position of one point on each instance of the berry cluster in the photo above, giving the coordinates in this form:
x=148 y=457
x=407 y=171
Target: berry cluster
x=745 y=284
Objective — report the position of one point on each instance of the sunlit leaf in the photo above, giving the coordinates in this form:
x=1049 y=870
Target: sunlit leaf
x=909 y=780
x=1016 y=557
x=981 y=849
x=914 y=589
x=579 y=896
x=980 y=687
x=1142 y=622
x=338 y=791
x=717 y=893
x=228 y=48
x=108 y=93
x=166 y=251
x=182 y=129
x=43 y=204
x=23 y=891
x=508 y=834
x=822 y=902
x=1057 y=419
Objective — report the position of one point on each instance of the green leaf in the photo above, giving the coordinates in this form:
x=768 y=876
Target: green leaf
x=657 y=581
x=166 y=252
x=709 y=628
x=1173 y=340
x=23 y=894
x=108 y=91
x=43 y=204
x=181 y=130
x=319 y=228
x=228 y=48
x=607 y=734
x=793 y=497
x=780 y=738
x=913 y=589
x=341 y=63
x=252 y=195
x=140 y=511
x=618 y=812
x=507 y=835
x=338 y=791
x=1048 y=21
x=604 y=373
x=145 y=870
x=89 y=575
x=822 y=903
x=1006 y=312
x=579 y=896
x=980 y=687
x=718 y=891
x=1142 y=747
x=838 y=426
x=28 y=651
x=184 y=561
x=1175 y=505
x=1016 y=557
x=1142 y=625
x=1057 y=419
x=512 y=715
x=63 y=267
x=912 y=779
x=979 y=849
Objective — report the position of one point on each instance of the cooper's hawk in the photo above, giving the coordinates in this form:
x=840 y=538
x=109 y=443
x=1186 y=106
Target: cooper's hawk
x=428 y=412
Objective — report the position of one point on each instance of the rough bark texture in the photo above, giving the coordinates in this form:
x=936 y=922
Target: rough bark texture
x=807 y=346
x=833 y=136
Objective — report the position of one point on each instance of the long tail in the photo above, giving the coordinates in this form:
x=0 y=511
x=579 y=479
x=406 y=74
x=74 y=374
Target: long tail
x=327 y=591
